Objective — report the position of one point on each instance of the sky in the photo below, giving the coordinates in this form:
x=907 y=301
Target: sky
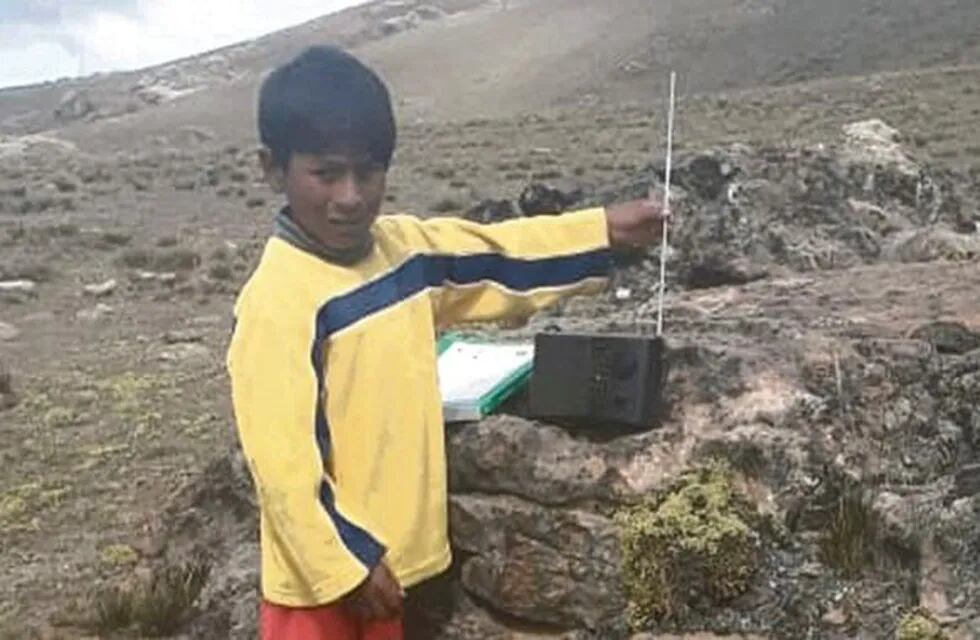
x=49 y=39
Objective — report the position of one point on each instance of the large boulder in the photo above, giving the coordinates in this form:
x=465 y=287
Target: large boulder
x=743 y=213
x=75 y=104
x=558 y=567
x=544 y=199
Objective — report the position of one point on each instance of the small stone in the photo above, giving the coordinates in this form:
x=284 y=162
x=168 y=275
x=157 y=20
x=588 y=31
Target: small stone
x=811 y=570
x=184 y=352
x=18 y=286
x=185 y=184
x=17 y=291
x=102 y=289
x=968 y=481
x=542 y=199
x=65 y=183
x=490 y=211
x=8 y=332
x=152 y=276
x=99 y=311
x=184 y=336
x=835 y=617
x=6 y=381
x=207 y=321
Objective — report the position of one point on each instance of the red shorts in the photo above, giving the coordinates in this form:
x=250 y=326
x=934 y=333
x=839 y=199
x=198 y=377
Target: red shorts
x=329 y=622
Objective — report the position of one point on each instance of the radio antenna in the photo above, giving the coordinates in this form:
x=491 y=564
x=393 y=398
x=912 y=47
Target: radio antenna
x=666 y=206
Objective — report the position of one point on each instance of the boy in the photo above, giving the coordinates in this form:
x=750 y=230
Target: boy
x=333 y=363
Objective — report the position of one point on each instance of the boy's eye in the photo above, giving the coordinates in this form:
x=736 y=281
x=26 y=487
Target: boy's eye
x=366 y=170
x=361 y=171
x=330 y=172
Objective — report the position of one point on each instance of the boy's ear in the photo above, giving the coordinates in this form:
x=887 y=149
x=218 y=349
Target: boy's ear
x=275 y=177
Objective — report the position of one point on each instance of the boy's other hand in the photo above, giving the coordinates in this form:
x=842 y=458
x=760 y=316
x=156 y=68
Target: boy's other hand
x=379 y=597
x=639 y=223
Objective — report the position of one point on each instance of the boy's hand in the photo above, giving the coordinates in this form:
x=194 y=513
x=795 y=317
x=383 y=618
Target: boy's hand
x=379 y=597
x=635 y=224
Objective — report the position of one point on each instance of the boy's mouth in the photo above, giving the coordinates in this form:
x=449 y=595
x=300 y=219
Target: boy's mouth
x=345 y=223
x=348 y=231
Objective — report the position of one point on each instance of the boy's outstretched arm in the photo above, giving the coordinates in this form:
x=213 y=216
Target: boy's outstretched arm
x=515 y=268
x=277 y=396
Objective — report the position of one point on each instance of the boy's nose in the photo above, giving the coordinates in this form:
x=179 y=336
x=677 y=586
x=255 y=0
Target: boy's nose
x=347 y=192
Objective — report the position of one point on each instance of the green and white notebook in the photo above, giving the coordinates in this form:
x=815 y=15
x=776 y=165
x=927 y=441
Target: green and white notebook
x=476 y=377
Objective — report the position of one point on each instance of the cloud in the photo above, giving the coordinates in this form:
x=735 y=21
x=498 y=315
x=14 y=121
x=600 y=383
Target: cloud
x=47 y=39
x=37 y=61
x=45 y=12
x=29 y=12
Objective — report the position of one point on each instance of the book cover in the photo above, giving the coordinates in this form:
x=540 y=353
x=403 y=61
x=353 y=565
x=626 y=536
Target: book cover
x=476 y=376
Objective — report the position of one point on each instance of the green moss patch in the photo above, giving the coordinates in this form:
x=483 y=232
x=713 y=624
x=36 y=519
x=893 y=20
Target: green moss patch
x=692 y=546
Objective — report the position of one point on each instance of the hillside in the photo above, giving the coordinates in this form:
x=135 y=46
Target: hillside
x=461 y=59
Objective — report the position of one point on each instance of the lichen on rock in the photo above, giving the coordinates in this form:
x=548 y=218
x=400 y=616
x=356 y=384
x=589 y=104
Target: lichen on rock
x=693 y=545
x=119 y=555
x=919 y=625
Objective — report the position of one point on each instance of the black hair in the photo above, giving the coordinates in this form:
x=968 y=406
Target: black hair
x=322 y=98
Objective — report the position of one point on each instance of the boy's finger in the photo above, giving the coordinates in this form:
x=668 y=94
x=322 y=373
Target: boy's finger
x=395 y=588
x=393 y=598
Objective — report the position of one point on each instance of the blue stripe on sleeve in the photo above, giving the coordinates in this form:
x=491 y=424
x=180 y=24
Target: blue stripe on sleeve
x=424 y=271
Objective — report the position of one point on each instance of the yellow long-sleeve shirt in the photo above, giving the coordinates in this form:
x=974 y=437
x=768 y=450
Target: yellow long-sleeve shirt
x=335 y=389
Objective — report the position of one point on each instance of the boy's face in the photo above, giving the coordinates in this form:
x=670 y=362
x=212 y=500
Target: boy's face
x=334 y=196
